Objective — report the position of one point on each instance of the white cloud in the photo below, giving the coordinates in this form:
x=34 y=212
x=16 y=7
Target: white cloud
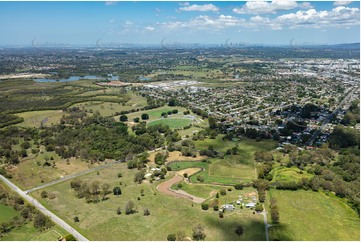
x=204 y=22
x=305 y=5
x=201 y=8
x=110 y=3
x=149 y=28
x=341 y=3
x=258 y=7
x=338 y=17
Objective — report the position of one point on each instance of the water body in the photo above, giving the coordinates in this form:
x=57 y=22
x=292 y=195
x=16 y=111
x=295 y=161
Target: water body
x=77 y=78
x=142 y=78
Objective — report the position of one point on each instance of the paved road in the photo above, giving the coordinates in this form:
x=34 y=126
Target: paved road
x=65 y=178
x=40 y=207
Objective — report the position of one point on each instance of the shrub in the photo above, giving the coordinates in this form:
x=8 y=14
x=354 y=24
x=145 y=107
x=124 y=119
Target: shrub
x=238 y=187
x=205 y=206
x=171 y=237
x=70 y=237
x=223 y=192
x=200 y=178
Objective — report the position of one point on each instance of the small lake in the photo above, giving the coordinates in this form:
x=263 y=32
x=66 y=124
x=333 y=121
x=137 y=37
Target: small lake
x=77 y=78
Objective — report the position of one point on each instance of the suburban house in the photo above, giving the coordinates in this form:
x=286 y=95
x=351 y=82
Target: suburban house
x=250 y=205
x=228 y=207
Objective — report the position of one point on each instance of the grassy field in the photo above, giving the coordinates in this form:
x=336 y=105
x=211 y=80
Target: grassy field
x=173 y=123
x=233 y=169
x=27 y=232
x=29 y=173
x=245 y=145
x=214 y=178
x=104 y=108
x=307 y=215
x=289 y=174
x=167 y=214
x=155 y=114
x=203 y=191
x=7 y=213
x=34 y=118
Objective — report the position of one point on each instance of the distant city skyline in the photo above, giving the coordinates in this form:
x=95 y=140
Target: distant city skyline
x=116 y=24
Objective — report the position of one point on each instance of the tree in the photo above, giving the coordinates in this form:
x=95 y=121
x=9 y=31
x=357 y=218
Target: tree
x=76 y=219
x=105 y=190
x=146 y=212
x=238 y=229
x=44 y=194
x=172 y=103
x=119 y=211
x=70 y=237
x=94 y=187
x=274 y=210
x=117 y=191
x=171 y=237
x=205 y=206
x=136 y=120
x=123 y=118
x=145 y=116
x=42 y=222
x=198 y=232
x=130 y=208
x=139 y=176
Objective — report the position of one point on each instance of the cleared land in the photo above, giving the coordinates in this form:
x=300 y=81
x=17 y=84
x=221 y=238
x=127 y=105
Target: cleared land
x=35 y=118
x=32 y=172
x=308 y=215
x=289 y=174
x=173 y=123
x=167 y=214
x=155 y=114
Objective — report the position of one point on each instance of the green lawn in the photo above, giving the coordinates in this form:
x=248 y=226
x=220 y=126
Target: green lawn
x=167 y=214
x=215 y=178
x=308 y=215
x=27 y=232
x=7 y=213
x=203 y=191
x=155 y=114
x=173 y=123
x=245 y=145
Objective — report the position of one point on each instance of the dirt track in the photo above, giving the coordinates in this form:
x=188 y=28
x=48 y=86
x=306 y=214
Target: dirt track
x=165 y=188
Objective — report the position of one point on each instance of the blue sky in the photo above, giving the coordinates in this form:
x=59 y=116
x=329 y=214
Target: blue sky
x=112 y=23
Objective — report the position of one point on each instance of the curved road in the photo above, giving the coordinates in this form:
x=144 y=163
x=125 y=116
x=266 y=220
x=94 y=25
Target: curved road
x=40 y=207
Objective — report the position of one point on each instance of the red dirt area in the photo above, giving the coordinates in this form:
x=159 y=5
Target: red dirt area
x=165 y=188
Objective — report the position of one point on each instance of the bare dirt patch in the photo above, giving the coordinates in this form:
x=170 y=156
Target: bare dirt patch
x=165 y=188
x=177 y=156
x=189 y=171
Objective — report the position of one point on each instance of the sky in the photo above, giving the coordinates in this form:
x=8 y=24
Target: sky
x=279 y=22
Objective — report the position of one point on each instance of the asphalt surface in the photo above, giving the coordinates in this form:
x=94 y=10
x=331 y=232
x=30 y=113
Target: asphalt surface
x=40 y=207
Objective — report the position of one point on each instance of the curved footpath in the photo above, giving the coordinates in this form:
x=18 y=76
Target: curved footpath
x=165 y=187
x=40 y=207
